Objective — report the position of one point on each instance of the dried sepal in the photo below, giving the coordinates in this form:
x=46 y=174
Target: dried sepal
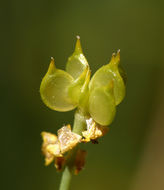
x=49 y=158
x=79 y=160
x=54 y=149
x=59 y=163
x=48 y=139
x=94 y=131
x=67 y=139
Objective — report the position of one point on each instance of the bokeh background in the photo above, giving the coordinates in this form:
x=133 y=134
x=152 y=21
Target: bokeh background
x=131 y=155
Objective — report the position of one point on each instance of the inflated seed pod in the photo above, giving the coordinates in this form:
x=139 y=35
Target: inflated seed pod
x=110 y=72
x=74 y=89
x=54 y=89
x=102 y=106
x=76 y=63
x=61 y=90
x=84 y=96
x=77 y=66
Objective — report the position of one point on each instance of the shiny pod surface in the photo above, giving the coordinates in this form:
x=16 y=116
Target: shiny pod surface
x=102 y=106
x=77 y=62
x=54 y=89
x=107 y=73
x=75 y=88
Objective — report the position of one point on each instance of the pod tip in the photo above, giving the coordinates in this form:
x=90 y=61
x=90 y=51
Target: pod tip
x=52 y=59
x=78 y=45
x=51 y=68
x=78 y=37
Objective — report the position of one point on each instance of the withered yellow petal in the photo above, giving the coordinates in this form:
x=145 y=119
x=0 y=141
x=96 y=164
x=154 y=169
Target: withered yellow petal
x=67 y=139
x=94 y=130
x=48 y=139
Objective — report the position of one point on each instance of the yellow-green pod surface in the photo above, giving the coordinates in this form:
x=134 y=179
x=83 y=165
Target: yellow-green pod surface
x=61 y=90
x=77 y=66
x=102 y=106
x=54 y=89
x=107 y=73
x=75 y=88
x=76 y=63
x=84 y=96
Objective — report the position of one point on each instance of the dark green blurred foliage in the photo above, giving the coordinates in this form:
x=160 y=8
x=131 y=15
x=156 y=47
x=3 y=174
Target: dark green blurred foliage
x=32 y=32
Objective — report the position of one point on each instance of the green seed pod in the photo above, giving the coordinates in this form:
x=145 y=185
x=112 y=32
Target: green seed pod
x=76 y=63
x=61 y=90
x=107 y=73
x=74 y=89
x=77 y=66
x=84 y=96
x=102 y=106
x=54 y=89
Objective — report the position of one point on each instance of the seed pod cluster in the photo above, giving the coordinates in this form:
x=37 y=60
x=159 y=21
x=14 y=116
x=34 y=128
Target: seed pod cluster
x=65 y=90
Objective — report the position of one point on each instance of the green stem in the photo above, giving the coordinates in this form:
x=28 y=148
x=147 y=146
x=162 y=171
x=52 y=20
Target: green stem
x=66 y=179
x=78 y=126
x=79 y=122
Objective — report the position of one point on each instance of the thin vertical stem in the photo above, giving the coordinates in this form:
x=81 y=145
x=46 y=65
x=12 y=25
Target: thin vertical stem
x=66 y=179
x=78 y=126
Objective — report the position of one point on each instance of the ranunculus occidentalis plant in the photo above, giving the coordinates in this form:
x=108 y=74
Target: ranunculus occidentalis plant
x=94 y=98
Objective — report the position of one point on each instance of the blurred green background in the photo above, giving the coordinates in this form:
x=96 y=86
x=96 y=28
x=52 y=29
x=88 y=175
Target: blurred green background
x=131 y=155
